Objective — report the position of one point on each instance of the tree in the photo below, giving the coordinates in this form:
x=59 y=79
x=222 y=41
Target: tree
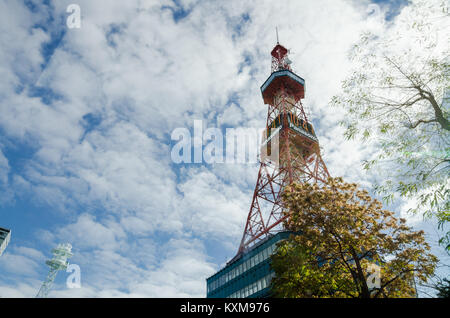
x=443 y=288
x=436 y=286
x=398 y=97
x=342 y=232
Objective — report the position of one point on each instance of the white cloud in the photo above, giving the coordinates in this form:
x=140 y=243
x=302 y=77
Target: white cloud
x=212 y=208
x=87 y=233
x=6 y=195
x=21 y=260
x=182 y=272
x=138 y=223
x=4 y=169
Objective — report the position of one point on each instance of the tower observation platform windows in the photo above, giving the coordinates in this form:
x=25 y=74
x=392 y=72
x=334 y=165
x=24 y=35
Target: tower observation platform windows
x=299 y=125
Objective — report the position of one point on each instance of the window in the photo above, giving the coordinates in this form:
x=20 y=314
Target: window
x=263 y=283
x=251 y=289
x=267 y=279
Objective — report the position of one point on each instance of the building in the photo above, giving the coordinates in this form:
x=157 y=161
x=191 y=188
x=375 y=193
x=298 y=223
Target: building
x=247 y=275
x=5 y=236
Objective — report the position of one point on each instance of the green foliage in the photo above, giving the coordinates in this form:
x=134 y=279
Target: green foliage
x=343 y=232
x=300 y=276
x=443 y=288
x=398 y=98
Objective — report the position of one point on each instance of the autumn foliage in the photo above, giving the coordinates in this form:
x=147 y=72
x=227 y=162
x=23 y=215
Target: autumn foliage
x=341 y=233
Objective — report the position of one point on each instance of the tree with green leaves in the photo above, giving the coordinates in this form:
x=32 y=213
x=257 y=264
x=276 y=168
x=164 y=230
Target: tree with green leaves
x=398 y=97
x=443 y=288
x=341 y=233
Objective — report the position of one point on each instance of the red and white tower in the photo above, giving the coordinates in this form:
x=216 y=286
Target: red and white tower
x=299 y=158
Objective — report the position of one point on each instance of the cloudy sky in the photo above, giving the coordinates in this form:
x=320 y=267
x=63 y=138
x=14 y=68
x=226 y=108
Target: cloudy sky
x=86 y=117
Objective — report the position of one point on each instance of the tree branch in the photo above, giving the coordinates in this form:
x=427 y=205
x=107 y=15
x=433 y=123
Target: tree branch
x=422 y=121
x=444 y=122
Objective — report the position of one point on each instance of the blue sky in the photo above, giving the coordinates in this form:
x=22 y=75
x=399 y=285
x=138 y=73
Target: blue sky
x=87 y=115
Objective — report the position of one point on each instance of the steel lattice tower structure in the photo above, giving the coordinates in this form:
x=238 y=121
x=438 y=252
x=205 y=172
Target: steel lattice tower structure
x=299 y=158
x=59 y=262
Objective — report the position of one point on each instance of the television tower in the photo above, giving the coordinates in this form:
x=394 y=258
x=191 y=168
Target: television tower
x=59 y=262
x=299 y=160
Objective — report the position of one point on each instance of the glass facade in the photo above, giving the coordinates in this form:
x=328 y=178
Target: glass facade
x=247 y=275
x=4 y=239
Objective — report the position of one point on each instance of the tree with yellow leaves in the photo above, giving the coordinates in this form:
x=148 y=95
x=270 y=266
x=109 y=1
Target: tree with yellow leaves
x=341 y=232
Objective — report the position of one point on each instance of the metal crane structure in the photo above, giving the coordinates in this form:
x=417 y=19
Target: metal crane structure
x=299 y=158
x=59 y=262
